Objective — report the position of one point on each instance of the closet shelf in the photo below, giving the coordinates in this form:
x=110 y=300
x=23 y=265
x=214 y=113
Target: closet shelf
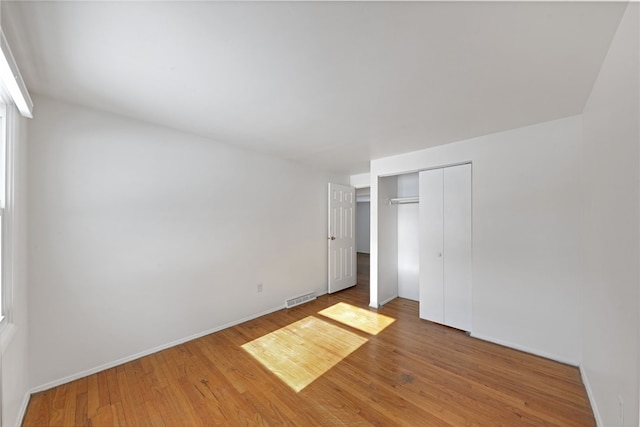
x=403 y=200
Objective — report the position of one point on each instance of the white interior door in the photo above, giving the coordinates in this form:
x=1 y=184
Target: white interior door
x=457 y=246
x=445 y=246
x=431 y=245
x=341 y=237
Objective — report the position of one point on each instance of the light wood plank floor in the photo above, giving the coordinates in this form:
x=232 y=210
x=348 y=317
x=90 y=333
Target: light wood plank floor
x=413 y=372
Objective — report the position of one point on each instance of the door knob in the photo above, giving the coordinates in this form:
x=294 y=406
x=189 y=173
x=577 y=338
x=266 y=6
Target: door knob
x=332 y=238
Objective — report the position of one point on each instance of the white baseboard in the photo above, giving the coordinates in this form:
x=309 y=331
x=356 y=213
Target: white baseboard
x=23 y=409
x=118 y=362
x=526 y=349
x=583 y=374
x=388 y=300
x=592 y=400
x=380 y=304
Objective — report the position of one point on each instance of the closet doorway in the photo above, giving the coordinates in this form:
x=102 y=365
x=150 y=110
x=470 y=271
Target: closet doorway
x=424 y=242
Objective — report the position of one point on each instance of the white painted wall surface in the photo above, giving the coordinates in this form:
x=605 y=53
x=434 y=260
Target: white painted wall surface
x=611 y=153
x=363 y=194
x=374 y=243
x=408 y=239
x=142 y=236
x=15 y=370
x=526 y=232
x=363 y=213
x=362 y=180
x=387 y=239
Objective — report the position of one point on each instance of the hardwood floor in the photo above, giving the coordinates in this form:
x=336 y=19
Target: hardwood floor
x=412 y=372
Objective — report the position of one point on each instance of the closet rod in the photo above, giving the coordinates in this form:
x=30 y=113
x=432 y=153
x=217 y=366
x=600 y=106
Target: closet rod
x=403 y=200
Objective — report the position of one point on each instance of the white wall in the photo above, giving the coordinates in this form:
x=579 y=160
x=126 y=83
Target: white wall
x=386 y=236
x=363 y=212
x=408 y=239
x=611 y=230
x=362 y=180
x=526 y=233
x=15 y=372
x=141 y=236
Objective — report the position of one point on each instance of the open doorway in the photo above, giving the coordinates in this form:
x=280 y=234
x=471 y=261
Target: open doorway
x=363 y=220
x=363 y=238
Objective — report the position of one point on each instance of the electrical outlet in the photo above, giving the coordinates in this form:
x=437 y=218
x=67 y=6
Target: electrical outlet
x=621 y=405
x=259 y=287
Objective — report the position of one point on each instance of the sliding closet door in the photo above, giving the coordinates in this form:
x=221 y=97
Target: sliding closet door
x=457 y=246
x=445 y=246
x=431 y=245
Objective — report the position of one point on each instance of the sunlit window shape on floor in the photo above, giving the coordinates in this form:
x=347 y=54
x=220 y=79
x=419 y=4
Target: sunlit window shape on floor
x=364 y=320
x=303 y=351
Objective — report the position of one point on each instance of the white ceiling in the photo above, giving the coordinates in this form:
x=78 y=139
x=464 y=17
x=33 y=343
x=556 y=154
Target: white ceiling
x=332 y=84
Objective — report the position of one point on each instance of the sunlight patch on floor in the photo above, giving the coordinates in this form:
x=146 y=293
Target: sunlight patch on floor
x=301 y=352
x=364 y=320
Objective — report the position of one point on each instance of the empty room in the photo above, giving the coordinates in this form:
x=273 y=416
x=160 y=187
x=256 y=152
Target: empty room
x=320 y=213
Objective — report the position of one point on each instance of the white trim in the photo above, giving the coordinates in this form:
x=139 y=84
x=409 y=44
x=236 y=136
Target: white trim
x=388 y=300
x=592 y=399
x=8 y=250
x=23 y=409
x=153 y=350
x=5 y=302
x=447 y=165
x=525 y=349
x=12 y=80
x=9 y=133
x=379 y=306
x=6 y=336
x=1 y=389
x=362 y=180
x=119 y=362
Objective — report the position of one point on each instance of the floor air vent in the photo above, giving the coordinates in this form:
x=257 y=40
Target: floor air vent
x=292 y=302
